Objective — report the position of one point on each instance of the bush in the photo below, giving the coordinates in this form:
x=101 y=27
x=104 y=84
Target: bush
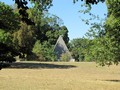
x=65 y=57
x=44 y=51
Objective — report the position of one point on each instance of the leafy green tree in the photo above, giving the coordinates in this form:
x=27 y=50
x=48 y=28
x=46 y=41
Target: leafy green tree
x=5 y=37
x=105 y=36
x=40 y=6
x=53 y=34
x=105 y=49
x=48 y=26
x=113 y=29
x=38 y=50
x=80 y=48
x=65 y=57
x=44 y=51
x=22 y=6
x=8 y=23
x=24 y=39
x=8 y=19
x=64 y=33
x=37 y=14
x=47 y=29
x=100 y=49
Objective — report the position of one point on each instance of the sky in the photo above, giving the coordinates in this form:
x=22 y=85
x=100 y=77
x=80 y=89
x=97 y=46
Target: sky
x=69 y=13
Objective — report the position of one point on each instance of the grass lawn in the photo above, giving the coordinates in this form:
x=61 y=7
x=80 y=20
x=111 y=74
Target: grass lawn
x=59 y=76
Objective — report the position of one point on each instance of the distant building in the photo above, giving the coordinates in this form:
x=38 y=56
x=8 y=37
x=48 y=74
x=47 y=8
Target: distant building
x=61 y=48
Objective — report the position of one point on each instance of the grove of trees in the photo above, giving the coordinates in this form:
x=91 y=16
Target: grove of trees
x=35 y=41
x=102 y=41
x=31 y=33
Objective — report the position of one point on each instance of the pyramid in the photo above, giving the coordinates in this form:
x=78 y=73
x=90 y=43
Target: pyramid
x=61 y=48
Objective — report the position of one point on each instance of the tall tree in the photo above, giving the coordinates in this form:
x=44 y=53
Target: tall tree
x=48 y=26
x=8 y=23
x=80 y=49
x=113 y=28
x=24 y=39
x=106 y=38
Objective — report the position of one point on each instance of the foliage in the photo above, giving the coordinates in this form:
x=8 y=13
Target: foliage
x=102 y=43
x=105 y=36
x=47 y=28
x=5 y=37
x=8 y=19
x=24 y=39
x=7 y=52
x=90 y=1
x=22 y=6
x=65 y=57
x=37 y=49
x=100 y=49
x=113 y=29
x=80 y=48
x=44 y=51
x=8 y=23
x=105 y=48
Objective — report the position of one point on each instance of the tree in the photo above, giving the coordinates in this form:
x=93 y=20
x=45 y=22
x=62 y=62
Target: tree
x=5 y=37
x=100 y=50
x=44 y=51
x=22 y=6
x=24 y=39
x=113 y=29
x=49 y=31
x=80 y=49
x=48 y=26
x=7 y=25
x=64 y=33
x=106 y=38
x=46 y=30
x=8 y=19
x=36 y=14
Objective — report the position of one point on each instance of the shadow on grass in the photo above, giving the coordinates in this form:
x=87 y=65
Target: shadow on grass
x=21 y=65
x=113 y=80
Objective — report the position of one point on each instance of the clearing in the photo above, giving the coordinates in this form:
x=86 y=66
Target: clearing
x=60 y=76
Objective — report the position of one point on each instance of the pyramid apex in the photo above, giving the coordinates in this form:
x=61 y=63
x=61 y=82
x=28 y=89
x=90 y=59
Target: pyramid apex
x=60 y=47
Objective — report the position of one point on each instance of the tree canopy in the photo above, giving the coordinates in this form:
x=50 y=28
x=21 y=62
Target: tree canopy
x=18 y=38
x=7 y=25
x=32 y=33
x=105 y=48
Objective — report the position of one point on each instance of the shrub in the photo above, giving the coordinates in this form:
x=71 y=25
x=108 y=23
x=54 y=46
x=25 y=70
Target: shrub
x=44 y=51
x=65 y=57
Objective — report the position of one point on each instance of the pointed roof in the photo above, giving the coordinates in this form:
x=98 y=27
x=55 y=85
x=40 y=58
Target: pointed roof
x=60 y=47
x=61 y=43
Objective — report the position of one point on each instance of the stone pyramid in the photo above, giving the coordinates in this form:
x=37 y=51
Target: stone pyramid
x=61 y=48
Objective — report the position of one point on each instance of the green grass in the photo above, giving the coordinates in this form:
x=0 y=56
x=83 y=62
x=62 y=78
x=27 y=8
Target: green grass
x=60 y=76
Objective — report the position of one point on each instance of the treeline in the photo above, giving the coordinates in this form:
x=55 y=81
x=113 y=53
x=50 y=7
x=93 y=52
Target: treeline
x=35 y=39
x=102 y=41
x=29 y=41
